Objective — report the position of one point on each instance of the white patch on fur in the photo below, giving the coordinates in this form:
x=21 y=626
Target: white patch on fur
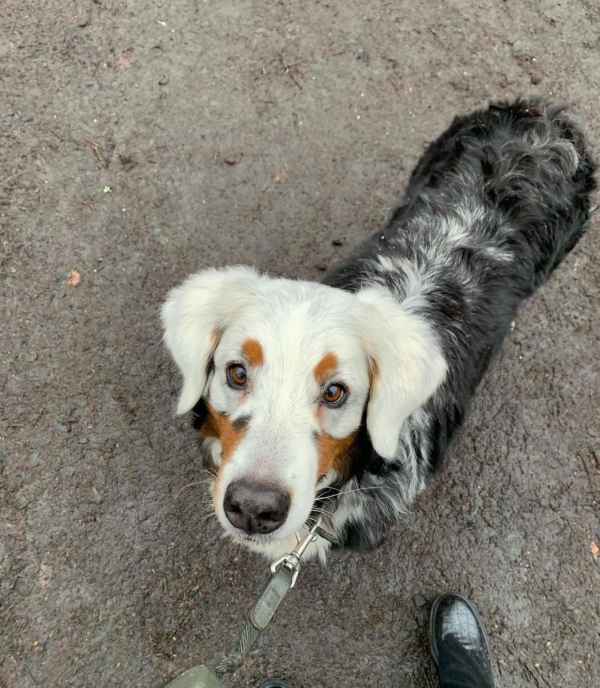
x=499 y=254
x=456 y=231
x=387 y=263
x=413 y=280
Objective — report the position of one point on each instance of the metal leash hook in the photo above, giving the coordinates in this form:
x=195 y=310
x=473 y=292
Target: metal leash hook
x=293 y=559
x=285 y=574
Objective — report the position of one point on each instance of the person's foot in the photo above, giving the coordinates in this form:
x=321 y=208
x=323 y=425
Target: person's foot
x=459 y=645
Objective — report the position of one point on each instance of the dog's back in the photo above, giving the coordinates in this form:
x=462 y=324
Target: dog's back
x=525 y=161
x=493 y=206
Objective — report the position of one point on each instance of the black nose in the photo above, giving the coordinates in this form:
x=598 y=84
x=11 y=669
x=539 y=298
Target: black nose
x=255 y=508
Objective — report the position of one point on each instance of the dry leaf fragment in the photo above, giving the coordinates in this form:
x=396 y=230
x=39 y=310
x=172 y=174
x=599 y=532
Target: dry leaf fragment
x=595 y=550
x=74 y=278
x=125 y=59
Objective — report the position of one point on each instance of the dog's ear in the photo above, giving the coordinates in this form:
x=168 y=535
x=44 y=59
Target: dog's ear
x=194 y=316
x=407 y=366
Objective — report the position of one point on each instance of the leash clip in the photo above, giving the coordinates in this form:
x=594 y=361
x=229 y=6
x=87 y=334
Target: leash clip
x=293 y=559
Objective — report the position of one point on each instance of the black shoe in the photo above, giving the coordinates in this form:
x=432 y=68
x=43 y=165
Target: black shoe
x=274 y=683
x=459 y=645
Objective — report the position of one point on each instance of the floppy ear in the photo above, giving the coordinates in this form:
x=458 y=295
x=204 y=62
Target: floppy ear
x=194 y=315
x=407 y=366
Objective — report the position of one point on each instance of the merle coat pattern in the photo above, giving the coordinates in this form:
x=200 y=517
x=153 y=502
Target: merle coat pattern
x=493 y=206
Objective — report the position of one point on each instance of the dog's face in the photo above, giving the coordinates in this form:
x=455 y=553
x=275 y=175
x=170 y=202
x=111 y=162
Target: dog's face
x=285 y=371
x=284 y=399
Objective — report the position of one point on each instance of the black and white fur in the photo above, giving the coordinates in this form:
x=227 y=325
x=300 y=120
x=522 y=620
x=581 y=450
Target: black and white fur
x=493 y=206
x=491 y=209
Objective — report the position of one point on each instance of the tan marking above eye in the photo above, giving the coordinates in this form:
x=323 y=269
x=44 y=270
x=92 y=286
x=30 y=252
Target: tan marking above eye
x=334 y=453
x=325 y=368
x=253 y=352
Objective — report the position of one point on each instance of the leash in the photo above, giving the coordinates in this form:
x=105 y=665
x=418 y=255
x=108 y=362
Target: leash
x=284 y=574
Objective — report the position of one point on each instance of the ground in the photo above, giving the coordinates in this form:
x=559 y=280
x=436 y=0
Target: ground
x=144 y=139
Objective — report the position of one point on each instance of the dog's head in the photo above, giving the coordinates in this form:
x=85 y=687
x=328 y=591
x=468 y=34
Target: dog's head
x=283 y=373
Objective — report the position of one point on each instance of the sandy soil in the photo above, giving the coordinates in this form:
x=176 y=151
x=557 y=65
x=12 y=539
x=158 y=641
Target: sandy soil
x=142 y=140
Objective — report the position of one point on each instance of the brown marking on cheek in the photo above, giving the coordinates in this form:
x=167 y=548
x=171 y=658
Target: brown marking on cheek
x=208 y=428
x=334 y=453
x=253 y=353
x=325 y=368
x=229 y=433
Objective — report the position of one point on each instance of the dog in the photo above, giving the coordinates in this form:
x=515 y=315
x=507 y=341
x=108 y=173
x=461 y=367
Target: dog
x=342 y=397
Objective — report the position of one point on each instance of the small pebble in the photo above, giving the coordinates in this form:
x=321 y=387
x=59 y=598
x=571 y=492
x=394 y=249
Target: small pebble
x=74 y=278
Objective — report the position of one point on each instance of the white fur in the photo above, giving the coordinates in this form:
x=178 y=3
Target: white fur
x=276 y=548
x=296 y=324
x=457 y=230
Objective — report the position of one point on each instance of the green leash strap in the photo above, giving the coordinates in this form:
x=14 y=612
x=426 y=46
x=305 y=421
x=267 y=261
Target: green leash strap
x=196 y=677
x=285 y=573
x=259 y=618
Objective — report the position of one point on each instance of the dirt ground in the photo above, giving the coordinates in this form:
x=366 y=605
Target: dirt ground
x=144 y=139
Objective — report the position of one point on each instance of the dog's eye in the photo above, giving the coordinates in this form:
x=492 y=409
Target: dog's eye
x=335 y=394
x=237 y=377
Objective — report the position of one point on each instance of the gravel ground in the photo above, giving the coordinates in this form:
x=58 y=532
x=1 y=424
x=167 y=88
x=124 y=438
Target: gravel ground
x=143 y=140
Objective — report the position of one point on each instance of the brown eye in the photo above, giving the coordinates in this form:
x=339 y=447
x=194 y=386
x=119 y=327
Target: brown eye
x=335 y=395
x=236 y=376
